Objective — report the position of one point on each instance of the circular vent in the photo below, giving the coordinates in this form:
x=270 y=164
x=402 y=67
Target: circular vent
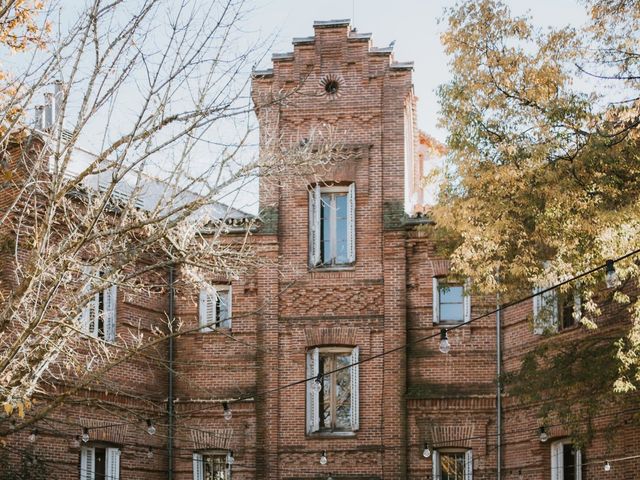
x=331 y=85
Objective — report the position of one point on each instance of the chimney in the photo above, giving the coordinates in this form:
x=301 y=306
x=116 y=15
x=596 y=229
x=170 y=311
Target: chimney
x=49 y=110
x=39 y=121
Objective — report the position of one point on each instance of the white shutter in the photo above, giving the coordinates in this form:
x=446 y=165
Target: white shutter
x=228 y=467
x=198 y=467
x=87 y=461
x=545 y=311
x=229 y=311
x=110 y=309
x=557 y=461
x=207 y=308
x=314 y=226
x=436 y=301
x=313 y=402
x=435 y=459
x=578 y=463
x=113 y=464
x=466 y=300
x=351 y=223
x=87 y=316
x=355 y=389
x=468 y=465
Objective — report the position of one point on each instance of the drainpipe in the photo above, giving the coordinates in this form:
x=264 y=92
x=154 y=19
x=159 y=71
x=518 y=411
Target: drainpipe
x=499 y=389
x=170 y=414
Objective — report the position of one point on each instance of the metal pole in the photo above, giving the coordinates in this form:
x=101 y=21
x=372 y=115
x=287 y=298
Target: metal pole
x=499 y=390
x=170 y=386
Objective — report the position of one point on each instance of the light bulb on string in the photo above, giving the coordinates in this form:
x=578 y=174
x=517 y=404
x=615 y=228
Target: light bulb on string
x=85 y=434
x=33 y=436
x=544 y=436
x=607 y=466
x=226 y=411
x=317 y=384
x=426 y=452
x=611 y=276
x=151 y=428
x=445 y=346
x=323 y=458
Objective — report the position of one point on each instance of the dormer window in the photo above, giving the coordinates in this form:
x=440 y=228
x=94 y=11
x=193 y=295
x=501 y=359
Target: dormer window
x=332 y=225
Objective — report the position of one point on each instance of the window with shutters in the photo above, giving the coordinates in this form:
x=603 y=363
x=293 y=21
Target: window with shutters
x=566 y=461
x=211 y=465
x=332 y=226
x=99 y=462
x=98 y=317
x=451 y=301
x=453 y=464
x=214 y=310
x=555 y=310
x=334 y=407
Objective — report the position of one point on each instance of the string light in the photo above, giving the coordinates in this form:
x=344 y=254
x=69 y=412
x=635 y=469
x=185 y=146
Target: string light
x=445 y=346
x=426 y=452
x=85 y=434
x=611 y=276
x=317 y=383
x=226 y=411
x=607 y=466
x=544 y=436
x=323 y=458
x=34 y=435
x=151 y=429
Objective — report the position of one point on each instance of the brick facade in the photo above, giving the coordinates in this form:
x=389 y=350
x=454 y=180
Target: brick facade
x=284 y=308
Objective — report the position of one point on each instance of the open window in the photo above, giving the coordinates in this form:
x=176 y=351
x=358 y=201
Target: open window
x=214 y=307
x=332 y=229
x=555 y=310
x=453 y=464
x=99 y=462
x=212 y=465
x=98 y=317
x=566 y=461
x=334 y=407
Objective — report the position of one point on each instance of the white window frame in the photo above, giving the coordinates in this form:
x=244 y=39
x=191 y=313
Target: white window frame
x=198 y=462
x=468 y=462
x=438 y=283
x=547 y=309
x=209 y=297
x=313 y=400
x=557 y=460
x=315 y=225
x=88 y=460
x=102 y=305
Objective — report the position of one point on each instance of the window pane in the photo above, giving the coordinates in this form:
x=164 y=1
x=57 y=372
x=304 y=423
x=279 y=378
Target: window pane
x=451 y=312
x=215 y=467
x=222 y=307
x=325 y=228
x=452 y=466
x=343 y=392
x=451 y=293
x=568 y=462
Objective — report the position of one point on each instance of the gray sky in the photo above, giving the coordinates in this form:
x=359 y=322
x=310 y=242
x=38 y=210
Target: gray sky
x=413 y=24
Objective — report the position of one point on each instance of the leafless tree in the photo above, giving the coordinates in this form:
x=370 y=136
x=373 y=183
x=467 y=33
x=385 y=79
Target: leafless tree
x=138 y=150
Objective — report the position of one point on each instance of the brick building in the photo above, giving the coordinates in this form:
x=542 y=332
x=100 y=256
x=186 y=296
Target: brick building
x=350 y=276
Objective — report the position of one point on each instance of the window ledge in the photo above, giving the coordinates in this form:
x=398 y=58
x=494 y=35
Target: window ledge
x=332 y=435
x=346 y=268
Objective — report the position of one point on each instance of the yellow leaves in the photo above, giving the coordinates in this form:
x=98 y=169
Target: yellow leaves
x=20 y=406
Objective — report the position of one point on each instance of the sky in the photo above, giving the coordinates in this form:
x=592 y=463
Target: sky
x=413 y=24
